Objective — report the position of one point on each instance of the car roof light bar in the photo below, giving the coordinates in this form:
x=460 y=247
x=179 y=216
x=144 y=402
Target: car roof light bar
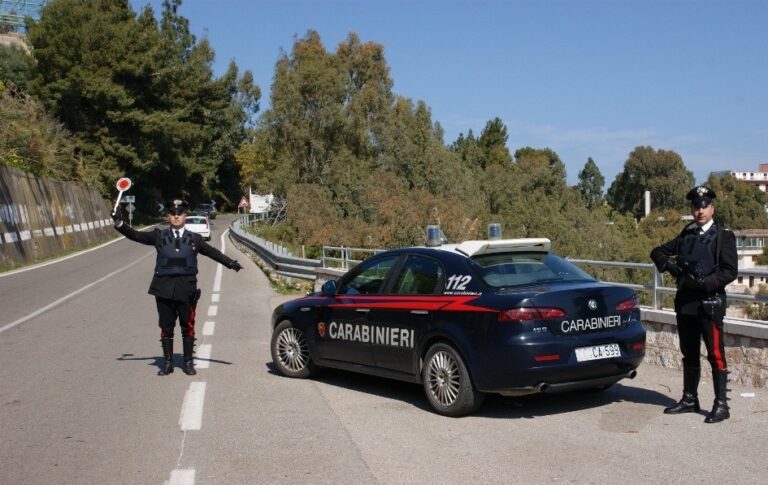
x=476 y=248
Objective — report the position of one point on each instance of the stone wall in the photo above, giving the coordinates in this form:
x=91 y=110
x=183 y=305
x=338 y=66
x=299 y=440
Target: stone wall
x=746 y=348
x=41 y=217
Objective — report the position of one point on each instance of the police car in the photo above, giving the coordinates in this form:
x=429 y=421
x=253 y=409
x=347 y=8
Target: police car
x=502 y=316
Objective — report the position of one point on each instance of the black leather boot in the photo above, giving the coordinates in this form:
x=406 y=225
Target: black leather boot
x=189 y=362
x=690 y=401
x=720 y=411
x=167 y=366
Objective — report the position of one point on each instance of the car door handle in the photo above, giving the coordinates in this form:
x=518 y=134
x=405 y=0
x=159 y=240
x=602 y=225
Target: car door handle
x=420 y=312
x=305 y=309
x=362 y=310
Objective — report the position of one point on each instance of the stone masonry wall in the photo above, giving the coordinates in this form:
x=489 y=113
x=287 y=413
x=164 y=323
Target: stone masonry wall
x=747 y=357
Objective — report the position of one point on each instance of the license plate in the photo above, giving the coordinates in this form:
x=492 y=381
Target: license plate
x=607 y=351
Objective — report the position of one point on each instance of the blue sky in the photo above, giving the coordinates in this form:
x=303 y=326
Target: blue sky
x=584 y=78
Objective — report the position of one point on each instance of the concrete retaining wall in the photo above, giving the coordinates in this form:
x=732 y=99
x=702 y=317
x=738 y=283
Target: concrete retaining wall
x=42 y=217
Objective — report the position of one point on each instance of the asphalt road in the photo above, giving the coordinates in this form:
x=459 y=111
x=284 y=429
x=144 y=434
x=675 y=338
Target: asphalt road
x=80 y=402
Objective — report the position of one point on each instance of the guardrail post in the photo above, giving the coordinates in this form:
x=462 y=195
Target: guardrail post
x=655 y=294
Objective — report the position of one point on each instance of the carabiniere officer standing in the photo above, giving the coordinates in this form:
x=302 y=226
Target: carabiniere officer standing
x=174 y=283
x=703 y=259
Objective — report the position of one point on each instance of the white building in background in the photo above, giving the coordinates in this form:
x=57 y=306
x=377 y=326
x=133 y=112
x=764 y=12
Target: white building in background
x=758 y=178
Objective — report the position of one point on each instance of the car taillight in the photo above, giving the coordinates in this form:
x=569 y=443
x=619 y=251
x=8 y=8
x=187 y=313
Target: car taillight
x=629 y=304
x=530 y=313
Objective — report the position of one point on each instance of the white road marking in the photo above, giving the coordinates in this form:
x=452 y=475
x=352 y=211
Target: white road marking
x=217 y=279
x=182 y=477
x=203 y=358
x=213 y=310
x=209 y=327
x=192 y=409
x=214 y=298
x=74 y=293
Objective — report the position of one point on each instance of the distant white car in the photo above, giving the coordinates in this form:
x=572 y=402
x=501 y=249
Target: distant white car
x=200 y=225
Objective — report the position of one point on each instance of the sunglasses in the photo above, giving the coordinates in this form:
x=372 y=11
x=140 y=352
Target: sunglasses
x=701 y=203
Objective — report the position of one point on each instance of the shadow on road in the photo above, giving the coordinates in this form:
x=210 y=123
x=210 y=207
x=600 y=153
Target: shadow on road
x=178 y=360
x=495 y=406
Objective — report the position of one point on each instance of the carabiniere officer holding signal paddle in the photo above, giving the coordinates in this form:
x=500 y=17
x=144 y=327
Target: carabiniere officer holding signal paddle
x=174 y=283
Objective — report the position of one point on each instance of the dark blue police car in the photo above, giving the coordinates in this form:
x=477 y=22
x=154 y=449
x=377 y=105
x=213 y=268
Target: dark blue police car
x=499 y=316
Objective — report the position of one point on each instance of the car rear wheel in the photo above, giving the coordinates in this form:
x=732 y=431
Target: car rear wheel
x=290 y=351
x=447 y=382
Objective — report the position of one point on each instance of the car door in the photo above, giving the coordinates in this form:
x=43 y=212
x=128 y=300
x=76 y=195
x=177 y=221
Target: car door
x=344 y=331
x=406 y=313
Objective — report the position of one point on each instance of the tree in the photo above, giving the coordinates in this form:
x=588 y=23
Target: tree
x=493 y=142
x=590 y=184
x=661 y=172
x=147 y=106
x=738 y=205
x=14 y=66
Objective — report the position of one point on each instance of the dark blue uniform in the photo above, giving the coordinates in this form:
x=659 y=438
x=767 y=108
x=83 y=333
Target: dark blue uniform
x=174 y=283
x=709 y=262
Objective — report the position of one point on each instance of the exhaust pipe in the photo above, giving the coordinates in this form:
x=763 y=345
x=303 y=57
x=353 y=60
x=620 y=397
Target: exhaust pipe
x=541 y=387
x=632 y=374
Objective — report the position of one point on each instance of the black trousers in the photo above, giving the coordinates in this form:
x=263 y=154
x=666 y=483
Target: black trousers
x=169 y=311
x=691 y=329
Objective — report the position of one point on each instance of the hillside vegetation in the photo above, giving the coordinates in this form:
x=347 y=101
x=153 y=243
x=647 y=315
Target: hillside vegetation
x=108 y=92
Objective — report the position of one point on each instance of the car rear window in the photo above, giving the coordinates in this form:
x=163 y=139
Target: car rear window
x=503 y=270
x=195 y=220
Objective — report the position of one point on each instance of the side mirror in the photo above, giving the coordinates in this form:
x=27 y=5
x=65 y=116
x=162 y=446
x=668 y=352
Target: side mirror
x=328 y=288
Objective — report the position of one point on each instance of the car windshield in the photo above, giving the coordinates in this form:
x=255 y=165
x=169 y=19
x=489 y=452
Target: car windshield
x=195 y=220
x=504 y=270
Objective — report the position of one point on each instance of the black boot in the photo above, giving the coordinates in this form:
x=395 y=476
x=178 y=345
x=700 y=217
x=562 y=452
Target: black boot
x=720 y=411
x=690 y=401
x=189 y=362
x=167 y=366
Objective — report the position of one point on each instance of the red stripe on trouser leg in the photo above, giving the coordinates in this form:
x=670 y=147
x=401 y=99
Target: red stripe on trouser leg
x=716 y=344
x=191 y=322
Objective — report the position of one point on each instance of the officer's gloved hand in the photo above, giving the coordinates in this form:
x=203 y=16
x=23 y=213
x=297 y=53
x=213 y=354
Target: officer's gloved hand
x=673 y=269
x=117 y=216
x=235 y=266
x=694 y=283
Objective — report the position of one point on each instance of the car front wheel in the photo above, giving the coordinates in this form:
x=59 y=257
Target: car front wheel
x=290 y=351
x=447 y=382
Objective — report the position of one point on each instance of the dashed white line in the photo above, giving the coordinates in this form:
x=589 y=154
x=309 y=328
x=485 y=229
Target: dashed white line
x=217 y=279
x=213 y=310
x=184 y=476
x=209 y=327
x=215 y=298
x=204 y=354
x=192 y=409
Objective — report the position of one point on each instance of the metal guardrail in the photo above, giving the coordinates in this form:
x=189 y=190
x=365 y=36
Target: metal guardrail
x=344 y=258
x=276 y=256
x=656 y=289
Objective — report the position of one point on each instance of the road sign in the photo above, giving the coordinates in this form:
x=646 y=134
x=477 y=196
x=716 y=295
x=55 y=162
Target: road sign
x=243 y=203
x=129 y=199
x=130 y=208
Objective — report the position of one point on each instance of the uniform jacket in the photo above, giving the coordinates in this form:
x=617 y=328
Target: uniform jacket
x=177 y=287
x=725 y=271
